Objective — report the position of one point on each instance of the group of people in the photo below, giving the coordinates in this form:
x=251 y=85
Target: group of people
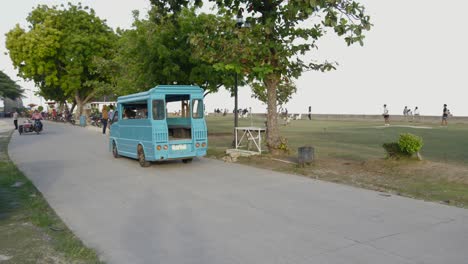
x=408 y=113
x=221 y=111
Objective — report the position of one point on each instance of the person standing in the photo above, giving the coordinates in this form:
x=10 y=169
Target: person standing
x=310 y=113
x=416 y=113
x=104 y=118
x=386 y=115
x=15 y=119
x=445 y=114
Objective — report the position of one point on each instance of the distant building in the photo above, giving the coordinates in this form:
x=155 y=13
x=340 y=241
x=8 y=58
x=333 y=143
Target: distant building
x=99 y=105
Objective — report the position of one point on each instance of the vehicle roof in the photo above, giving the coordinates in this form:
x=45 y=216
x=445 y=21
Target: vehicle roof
x=162 y=89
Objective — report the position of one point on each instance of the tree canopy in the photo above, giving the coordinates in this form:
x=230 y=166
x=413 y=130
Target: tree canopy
x=61 y=51
x=157 y=50
x=270 y=52
x=9 y=88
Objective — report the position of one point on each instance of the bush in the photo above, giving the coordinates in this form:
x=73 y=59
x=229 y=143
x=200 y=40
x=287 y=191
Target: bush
x=410 y=143
x=40 y=108
x=407 y=145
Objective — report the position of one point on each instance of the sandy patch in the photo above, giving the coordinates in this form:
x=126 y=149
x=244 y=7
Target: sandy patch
x=416 y=127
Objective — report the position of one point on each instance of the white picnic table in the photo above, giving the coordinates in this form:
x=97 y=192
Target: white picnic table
x=253 y=134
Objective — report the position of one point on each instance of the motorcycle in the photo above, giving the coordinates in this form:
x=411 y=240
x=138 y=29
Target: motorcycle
x=29 y=126
x=96 y=121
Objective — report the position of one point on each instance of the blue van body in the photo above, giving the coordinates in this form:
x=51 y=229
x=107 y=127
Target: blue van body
x=143 y=128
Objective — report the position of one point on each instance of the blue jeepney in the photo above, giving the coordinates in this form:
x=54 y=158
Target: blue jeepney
x=164 y=123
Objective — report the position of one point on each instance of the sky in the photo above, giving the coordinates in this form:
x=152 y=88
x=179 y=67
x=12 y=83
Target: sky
x=415 y=55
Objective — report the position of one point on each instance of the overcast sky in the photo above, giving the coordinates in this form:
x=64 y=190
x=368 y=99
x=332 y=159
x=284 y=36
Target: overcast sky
x=415 y=55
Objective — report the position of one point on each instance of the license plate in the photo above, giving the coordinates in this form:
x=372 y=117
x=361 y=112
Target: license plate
x=179 y=147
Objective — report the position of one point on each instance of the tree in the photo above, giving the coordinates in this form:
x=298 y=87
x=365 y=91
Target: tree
x=9 y=88
x=270 y=52
x=157 y=50
x=59 y=52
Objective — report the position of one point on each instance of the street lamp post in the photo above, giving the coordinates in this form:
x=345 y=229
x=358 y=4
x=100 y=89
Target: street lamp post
x=236 y=106
x=239 y=24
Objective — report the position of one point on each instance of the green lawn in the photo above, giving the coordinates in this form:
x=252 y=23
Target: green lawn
x=351 y=152
x=355 y=140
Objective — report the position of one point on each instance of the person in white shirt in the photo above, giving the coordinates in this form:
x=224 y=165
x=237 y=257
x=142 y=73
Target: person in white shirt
x=15 y=119
x=416 y=113
x=386 y=115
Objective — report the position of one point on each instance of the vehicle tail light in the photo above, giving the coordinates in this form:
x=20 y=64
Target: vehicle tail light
x=165 y=147
x=203 y=144
x=197 y=145
x=158 y=147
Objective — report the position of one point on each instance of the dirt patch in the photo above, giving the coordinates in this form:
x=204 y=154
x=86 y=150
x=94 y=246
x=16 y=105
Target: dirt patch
x=22 y=242
x=426 y=180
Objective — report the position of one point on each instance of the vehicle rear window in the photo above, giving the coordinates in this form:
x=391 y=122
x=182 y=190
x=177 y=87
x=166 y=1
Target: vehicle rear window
x=158 y=109
x=197 y=108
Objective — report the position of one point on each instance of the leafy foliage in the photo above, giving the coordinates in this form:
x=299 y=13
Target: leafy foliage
x=270 y=51
x=407 y=145
x=410 y=143
x=157 y=51
x=59 y=51
x=9 y=88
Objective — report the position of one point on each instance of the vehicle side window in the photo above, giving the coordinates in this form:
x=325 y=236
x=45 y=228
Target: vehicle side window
x=158 y=109
x=135 y=110
x=116 y=117
x=197 y=108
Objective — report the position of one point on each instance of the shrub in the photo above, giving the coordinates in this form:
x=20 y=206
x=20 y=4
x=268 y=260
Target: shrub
x=410 y=143
x=407 y=145
x=40 y=108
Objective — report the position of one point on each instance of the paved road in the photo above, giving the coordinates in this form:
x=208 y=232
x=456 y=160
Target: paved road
x=212 y=212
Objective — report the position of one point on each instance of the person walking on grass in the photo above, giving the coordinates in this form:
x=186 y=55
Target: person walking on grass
x=445 y=114
x=310 y=113
x=15 y=119
x=416 y=113
x=386 y=115
x=105 y=117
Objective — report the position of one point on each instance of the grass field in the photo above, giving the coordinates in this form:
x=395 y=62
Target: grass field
x=355 y=140
x=30 y=231
x=351 y=152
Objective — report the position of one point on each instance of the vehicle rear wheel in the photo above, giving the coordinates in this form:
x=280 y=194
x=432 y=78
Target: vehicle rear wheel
x=115 y=152
x=141 y=157
x=187 y=160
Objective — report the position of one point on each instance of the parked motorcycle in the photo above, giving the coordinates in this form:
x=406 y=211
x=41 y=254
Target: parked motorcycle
x=96 y=121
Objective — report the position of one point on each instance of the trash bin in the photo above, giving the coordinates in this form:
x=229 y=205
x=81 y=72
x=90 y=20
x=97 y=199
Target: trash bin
x=305 y=155
x=82 y=120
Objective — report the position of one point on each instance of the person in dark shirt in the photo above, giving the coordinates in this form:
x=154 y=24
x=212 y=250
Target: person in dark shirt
x=445 y=114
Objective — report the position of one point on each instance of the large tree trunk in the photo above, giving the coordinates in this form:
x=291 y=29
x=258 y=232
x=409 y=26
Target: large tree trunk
x=80 y=102
x=273 y=136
